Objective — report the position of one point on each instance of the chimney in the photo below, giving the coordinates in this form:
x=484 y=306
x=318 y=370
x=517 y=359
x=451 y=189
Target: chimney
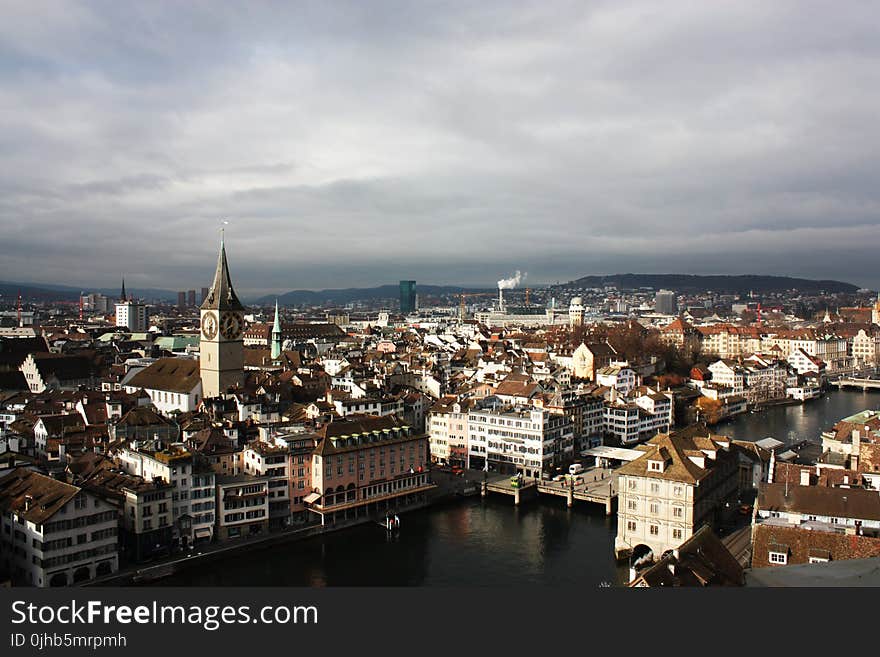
x=805 y=477
x=28 y=502
x=772 y=467
x=856 y=450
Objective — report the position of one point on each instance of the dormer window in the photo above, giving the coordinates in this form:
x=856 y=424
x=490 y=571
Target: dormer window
x=656 y=466
x=780 y=558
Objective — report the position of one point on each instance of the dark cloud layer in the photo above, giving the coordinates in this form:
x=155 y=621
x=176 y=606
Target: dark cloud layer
x=359 y=143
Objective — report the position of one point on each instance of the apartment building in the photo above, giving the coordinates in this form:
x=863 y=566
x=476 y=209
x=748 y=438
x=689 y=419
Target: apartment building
x=448 y=431
x=797 y=523
x=365 y=465
x=190 y=480
x=242 y=505
x=53 y=533
x=518 y=438
x=271 y=462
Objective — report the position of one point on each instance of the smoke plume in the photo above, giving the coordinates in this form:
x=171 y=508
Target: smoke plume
x=510 y=283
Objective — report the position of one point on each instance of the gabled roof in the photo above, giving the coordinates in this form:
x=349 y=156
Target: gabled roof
x=33 y=496
x=857 y=503
x=171 y=374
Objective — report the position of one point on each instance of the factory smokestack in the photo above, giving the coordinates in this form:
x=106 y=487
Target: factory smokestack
x=508 y=284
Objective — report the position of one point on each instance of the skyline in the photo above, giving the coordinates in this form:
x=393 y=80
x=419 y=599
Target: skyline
x=353 y=146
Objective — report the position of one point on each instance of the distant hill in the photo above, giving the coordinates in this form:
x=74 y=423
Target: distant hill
x=352 y=294
x=9 y=292
x=741 y=284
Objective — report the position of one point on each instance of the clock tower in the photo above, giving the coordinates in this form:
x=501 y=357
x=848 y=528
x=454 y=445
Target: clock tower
x=221 y=347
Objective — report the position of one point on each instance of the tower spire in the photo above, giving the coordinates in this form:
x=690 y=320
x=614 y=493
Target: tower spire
x=222 y=296
x=122 y=297
x=276 y=334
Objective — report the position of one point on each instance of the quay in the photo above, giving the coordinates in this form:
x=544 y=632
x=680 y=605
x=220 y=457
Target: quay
x=597 y=485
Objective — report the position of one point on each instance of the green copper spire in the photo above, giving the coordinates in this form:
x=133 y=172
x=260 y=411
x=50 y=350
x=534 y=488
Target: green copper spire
x=276 y=334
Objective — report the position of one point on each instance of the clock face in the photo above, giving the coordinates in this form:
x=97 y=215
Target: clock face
x=230 y=326
x=209 y=326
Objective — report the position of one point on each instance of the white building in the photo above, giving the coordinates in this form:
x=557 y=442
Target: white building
x=173 y=384
x=133 y=316
x=54 y=534
x=194 y=486
x=621 y=378
x=517 y=439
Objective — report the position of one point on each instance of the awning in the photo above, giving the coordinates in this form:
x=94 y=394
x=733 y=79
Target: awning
x=203 y=532
x=311 y=498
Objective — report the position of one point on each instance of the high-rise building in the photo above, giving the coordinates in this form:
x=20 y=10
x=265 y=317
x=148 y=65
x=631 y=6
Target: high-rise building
x=664 y=302
x=221 y=348
x=204 y=295
x=181 y=300
x=131 y=314
x=407 y=296
x=191 y=298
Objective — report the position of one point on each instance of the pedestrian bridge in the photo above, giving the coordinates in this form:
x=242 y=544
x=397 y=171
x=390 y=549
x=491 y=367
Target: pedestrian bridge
x=864 y=384
x=598 y=485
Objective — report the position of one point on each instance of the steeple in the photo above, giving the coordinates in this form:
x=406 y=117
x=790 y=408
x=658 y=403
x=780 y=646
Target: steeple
x=221 y=295
x=123 y=298
x=276 y=334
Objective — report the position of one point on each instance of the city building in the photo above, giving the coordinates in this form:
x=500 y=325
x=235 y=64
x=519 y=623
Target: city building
x=680 y=484
x=798 y=524
x=173 y=384
x=365 y=466
x=517 y=438
x=53 y=533
x=576 y=312
x=665 y=302
x=193 y=485
x=408 y=301
x=242 y=506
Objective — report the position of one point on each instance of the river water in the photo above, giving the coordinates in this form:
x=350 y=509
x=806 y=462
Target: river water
x=489 y=542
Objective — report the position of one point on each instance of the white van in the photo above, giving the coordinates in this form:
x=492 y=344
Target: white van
x=575 y=468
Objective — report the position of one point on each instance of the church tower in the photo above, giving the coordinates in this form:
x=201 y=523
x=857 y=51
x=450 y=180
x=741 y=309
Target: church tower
x=221 y=348
x=875 y=311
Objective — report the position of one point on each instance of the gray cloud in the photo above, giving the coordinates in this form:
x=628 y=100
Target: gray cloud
x=358 y=143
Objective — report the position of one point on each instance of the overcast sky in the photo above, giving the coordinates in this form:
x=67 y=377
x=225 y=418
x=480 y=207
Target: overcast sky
x=354 y=144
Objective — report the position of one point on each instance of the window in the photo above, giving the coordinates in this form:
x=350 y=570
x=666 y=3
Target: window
x=818 y=560
x=632 y=505
x=677 y=490
x=631 y=484
x=655 y=530
x=678 y=512
x=655 y=508
x=631 y=526
x=676 y=533
x=779 y=557
x=655 y=487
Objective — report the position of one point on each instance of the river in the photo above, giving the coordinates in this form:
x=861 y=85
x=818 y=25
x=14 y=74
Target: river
x=489 y=542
